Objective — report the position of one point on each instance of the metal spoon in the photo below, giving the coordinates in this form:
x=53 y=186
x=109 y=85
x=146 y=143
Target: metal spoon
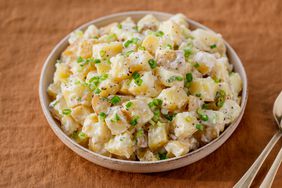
x=247 y=179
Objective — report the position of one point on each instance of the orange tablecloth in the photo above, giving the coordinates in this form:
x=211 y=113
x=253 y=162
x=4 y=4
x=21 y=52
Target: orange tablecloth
x=32 y=156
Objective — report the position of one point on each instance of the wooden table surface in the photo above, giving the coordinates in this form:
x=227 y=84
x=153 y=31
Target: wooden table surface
x=32 y=156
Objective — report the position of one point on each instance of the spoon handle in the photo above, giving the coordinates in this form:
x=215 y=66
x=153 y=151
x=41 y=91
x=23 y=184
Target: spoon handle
x=247 y=179
x=267 y=182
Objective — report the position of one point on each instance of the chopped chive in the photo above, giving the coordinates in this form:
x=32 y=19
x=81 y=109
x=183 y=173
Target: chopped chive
x=159 y=33
x=119 y=25
x=196 y=65
x=152 y=63
x=213 y=46
x=189 y=77
x=97 y=91
x=128 y=105
x=102 y=115
x=162 y=156
x=66 y=111
x=80 y=59
x=115 y=100
x=200 y=127
x=134 y=121
x=82 y=136
x=202 y=116
x=142 y=48
x=198 y=94
x=139 y=133
x=174 y=78
x=169 y=46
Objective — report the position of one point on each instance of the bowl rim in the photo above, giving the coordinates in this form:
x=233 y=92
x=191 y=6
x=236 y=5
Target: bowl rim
x=58 y=131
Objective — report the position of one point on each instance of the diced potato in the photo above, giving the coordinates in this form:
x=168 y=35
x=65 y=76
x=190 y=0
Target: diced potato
x=146 y=155
x=69 y=125
x=157 y=136
x=194 y=103
x=215 y=118
x=173 y=30
x=100 y=104
x=57 y=106
x=98 y=147
x=81 y=71
x=173 y=60
x=208 y=41
x=236 y=83
x=180 y=19
x=121 y=145
x=170 y=78
x=85 y=49
x=151 y=43
x=62 y=72
x=106 y=50
x=205 y=87
x=165 y=56
x=185 y=124
x=107 y=29
x=226 y=88
x=173 y=98
x=79 y=113
x=149 y=86
x=220 y=72
x=97 y=129
x=139 y=109
x=54 y=89
x=120 y=68
x=75 y=36
x=205 y=60
x=176 y=148
x=91 y=32
x=108 y=87
x=231 y=111
x=125 y=30
x=75 y=94
x=148 y=22
x=103 y=67
x=116 y=121
x=138 y=61
x=125 y=85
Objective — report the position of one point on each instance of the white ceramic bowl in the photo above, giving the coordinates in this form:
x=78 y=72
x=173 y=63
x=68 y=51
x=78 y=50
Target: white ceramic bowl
x=124 y=165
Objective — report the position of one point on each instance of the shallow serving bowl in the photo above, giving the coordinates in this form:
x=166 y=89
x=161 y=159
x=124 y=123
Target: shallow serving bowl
x=124 y=165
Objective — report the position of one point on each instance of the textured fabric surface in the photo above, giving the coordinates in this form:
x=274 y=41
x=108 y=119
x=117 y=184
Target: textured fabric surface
x=32 y=156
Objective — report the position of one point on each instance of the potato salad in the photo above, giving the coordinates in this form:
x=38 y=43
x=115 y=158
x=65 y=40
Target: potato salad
x=145 y=91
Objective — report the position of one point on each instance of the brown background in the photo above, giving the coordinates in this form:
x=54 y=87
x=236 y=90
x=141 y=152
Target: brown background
x=32 y=156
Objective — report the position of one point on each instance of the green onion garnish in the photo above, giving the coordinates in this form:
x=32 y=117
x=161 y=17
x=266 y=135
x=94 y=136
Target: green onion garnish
x=152 y=63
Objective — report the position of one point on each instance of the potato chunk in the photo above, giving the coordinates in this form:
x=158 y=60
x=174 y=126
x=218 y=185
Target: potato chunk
x=116 y=121
x=120 y=68
x=62 y=72
x=148 y=22
x=69 y=125
x=106 y=50
x=157 y=136
x=149 y=86
x=173 y=98
x=97 y=129
x=176 y=148
x=170 y=78
x=76 y=93
x=173 y=30
x=138 y=109
x=100 y=104
x=108 y=87
x=79 y=113
x=138 y=61
x=208 y=41
x=204 y=87
x=121 y=145
x=151 y=43
x=236 y=83
x=185 y=124
x=231 y=111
